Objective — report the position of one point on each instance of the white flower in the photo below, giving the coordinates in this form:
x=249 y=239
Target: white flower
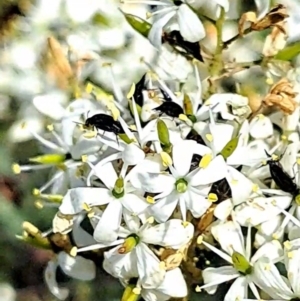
x=282 y=288
x=135 y=254
x=179 y=12
x=117 y=195
x=189 y=189
x=75 y=267
x=238 y=254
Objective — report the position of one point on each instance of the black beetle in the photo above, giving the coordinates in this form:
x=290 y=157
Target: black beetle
x=105 y=123
x=169 y=108
x=282 y=179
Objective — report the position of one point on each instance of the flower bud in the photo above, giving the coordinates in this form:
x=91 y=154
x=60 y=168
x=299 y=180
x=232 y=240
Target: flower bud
x=49 y=159
x=138 y=24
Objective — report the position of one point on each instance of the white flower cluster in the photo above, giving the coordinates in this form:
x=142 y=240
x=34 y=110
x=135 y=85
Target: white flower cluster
x=175 y=166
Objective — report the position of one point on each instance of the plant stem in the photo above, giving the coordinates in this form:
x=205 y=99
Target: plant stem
x=217 y=64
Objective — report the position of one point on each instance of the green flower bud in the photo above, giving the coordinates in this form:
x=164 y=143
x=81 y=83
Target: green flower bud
x=140 y=25
x=163 y=133
x=49 y=159
x=229 y=148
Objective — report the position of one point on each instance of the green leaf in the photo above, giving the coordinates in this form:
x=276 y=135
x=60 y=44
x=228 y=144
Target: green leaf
x=139 y=24
x=289 y=52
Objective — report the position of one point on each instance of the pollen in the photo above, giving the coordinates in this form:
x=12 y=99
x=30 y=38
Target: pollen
x=73 y=251
x=199 y=239
x=255 y=187
x=209 y=137
x=150 y=199
x=290 y=254
x=261 y=116
x=86 y=207
x=16 y=169
x=206 y=159
x=89 y=88
x=234 y=182
x=298 y=161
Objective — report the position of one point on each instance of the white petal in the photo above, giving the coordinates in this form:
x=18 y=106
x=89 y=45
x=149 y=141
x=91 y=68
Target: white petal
x=134 y=204
x=241 y=187
x=271 y=250
x=197 y=203
x=230 y=237
x=190 y=25
x=238 y=290
x=169 y=234
x=77 y=267
x=218 y=276
x=154 y=183
x=73 y=201
x=132 y=154
x=267 y=277
x=164 y=207
x=209 y=175
x=167 y=286
x=109 y=224
x=262 y=7
x=223 y=210
x=182 y=156
x=106 y=173
x=50 y=279
x=80 y=236
x=261 y=127
x=150 y=272
x=155 y=33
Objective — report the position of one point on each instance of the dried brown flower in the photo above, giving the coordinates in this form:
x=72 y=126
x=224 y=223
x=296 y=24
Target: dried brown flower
x=273 y=18
x=282 y=96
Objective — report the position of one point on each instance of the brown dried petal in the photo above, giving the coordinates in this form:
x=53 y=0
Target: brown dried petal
x=206 y=219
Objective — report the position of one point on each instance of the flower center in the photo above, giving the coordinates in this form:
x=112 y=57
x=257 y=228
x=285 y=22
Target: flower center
x=118 y=191
x=129 y=244
x=241 y=264
x=181 y=185
x=297 y=199
x=192 y=118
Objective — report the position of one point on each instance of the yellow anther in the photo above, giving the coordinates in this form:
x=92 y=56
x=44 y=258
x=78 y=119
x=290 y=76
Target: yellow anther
x=86 y=207
x=185 y=224
x=89 y=88
x=162 y=265
x=290 y=254
x=150 y=199
x=206 y=159
x=150 y=220
x=38 y=205
x=264 y=162
x=269 y=81
x=73 y=252
x=23 y=125
x=131 y=91
x=234 y=182
x=91 y=214
x=183 y=117
x=209 y=137
x=298 y=161
x=207 y=103
x=84 y=158
x=275 y=157
x=267 y=267
x=166 y=159
x=16 y=168
x=199 y=239
x=50 y=127
x=30 y=228
x=284 y=138
x=90 y=134
x=137 y=290
x=287 y=244
x=275 y=236
x=274 y=203
x=36 y=192
x=261 y=116
x=197 y=289
x=212 y=197
x=178 y=94
x=255 y=187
